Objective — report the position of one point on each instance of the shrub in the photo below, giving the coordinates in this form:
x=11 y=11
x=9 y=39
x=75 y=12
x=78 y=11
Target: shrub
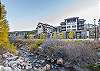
x=81 y=52
x=70 y=35
x=37 y=43
x=54 y=35
x=61 y=35
x=53 y=43
x=78 y=41
x=94 y=67
x=11 y=48
x=42 y=35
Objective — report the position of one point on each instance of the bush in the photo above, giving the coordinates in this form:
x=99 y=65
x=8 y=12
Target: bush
x=53 y=43
x=81 y=53
x=61 y=35
x=43 y=36
x=54 y=35
x=78 y=41
x=94 y=67
x=11 y=48
x=37 y=43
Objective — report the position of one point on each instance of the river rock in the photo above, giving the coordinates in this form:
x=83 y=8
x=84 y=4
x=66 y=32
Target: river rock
x=60 y=61
x=7 y=69
x=47 y=67
x=1 y=68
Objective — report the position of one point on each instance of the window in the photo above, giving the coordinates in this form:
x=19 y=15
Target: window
x=68 y=21
x=74 y=20
x=74 y=29
x=74 y=26
x=63 y=27
x=68 y=26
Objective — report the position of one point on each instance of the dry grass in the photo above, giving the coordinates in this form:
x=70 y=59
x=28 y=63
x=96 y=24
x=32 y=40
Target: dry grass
x=73 y=52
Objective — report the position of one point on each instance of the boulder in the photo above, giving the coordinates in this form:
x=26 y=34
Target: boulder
x=7 y=69
x=47 y=67
x=39 y=69
x=16 y=69
x=1 y=68
x=60 y=61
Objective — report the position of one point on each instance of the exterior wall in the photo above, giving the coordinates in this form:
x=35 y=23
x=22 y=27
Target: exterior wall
x=39 y=28
x=83 y=35
x=80 y=24
x=88 y=34
x=78 y=35
x=71 y=24
x=58 y=29
x=45 y=28
x=88 y=26
x=74 y=24
x=50 y=29
x=90 y=30
x=63 y=26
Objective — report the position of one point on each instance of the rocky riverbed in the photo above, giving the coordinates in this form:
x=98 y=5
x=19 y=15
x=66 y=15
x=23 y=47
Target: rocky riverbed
x=43 y=58
x=26 y=61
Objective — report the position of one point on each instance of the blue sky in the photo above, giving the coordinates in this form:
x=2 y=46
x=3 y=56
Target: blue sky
x=25 y=14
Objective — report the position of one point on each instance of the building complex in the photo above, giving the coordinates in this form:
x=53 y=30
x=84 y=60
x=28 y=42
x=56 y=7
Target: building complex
x=73 y=26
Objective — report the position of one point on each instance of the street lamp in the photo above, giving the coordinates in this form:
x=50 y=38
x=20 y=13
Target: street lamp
x=95 y=28
x=99 y=29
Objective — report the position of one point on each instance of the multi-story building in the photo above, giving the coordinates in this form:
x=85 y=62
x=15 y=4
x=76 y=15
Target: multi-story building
x=74 y=24
x=91 y=30
x=88 y=26
x=19 y=34
x=99 y=22
x=80 y=24
x=63 y=26
x=58 y=29
x=45 y=28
